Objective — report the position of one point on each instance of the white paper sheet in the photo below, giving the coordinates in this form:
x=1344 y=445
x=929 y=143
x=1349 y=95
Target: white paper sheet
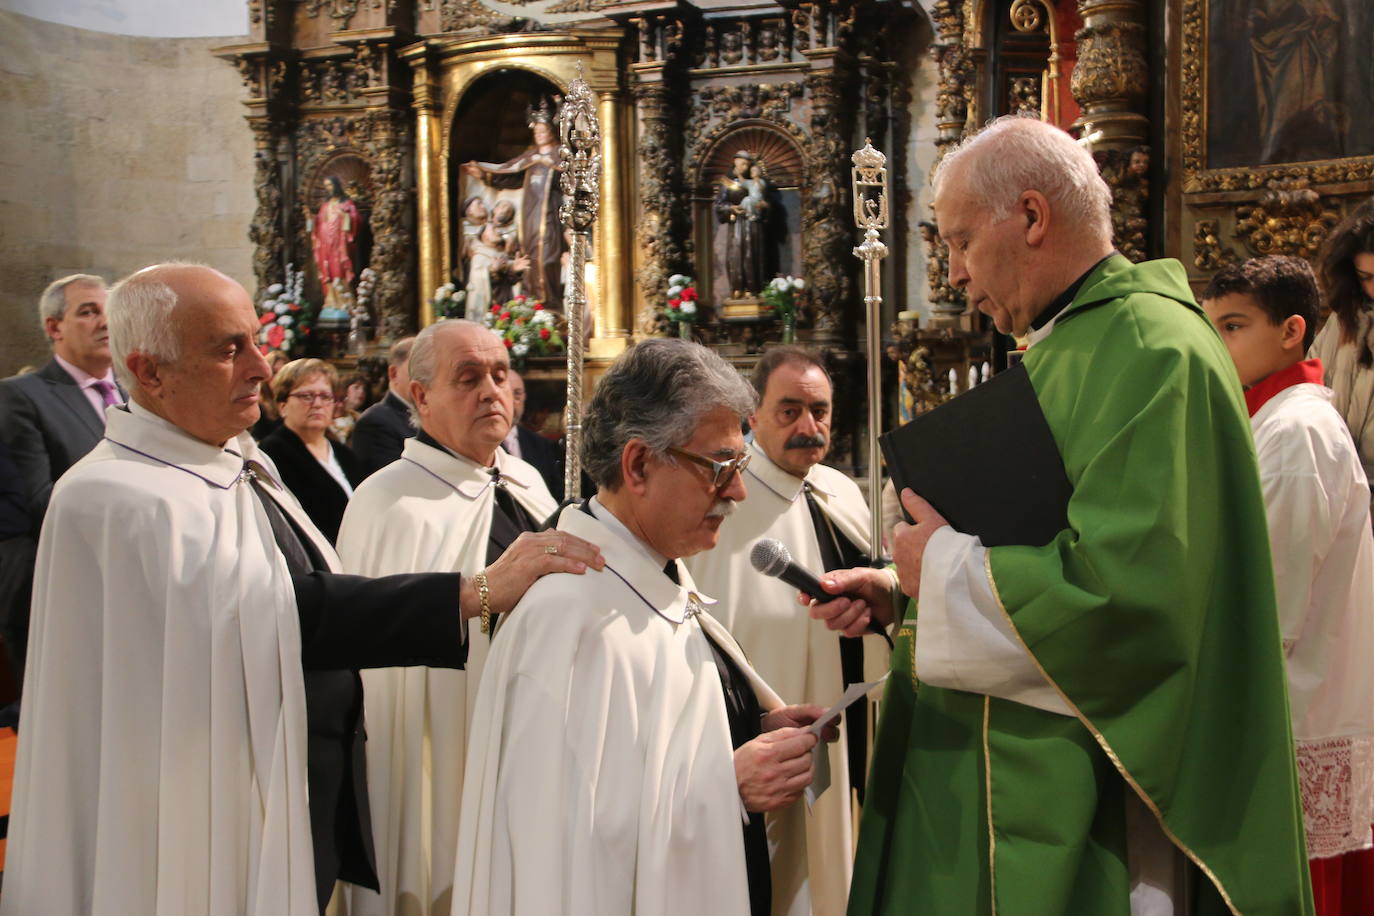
x=820 y=760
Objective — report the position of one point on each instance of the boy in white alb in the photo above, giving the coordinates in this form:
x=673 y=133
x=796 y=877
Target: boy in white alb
x=1316 y=498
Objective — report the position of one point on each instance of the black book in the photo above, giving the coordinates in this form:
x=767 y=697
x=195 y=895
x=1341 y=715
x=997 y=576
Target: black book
x=987 y=461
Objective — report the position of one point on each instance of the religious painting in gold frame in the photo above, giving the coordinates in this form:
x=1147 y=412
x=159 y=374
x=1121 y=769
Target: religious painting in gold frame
x=1276 y=89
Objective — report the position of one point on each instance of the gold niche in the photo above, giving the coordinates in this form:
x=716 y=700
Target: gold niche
x=444 y=70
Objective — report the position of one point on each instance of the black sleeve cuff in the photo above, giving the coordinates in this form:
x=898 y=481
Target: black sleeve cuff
x=387 y=622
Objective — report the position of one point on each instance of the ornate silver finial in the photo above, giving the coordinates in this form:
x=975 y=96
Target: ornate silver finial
x=579 y=155
x=868 y=160
x=870 y=193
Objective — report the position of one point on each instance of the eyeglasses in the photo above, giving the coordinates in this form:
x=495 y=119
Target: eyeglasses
x=721 y=471
x=312 y=397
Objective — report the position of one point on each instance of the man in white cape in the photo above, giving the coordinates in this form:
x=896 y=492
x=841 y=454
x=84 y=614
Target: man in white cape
x=622 y=749
x=454 y=502
x=163 y=763
x=820 y=516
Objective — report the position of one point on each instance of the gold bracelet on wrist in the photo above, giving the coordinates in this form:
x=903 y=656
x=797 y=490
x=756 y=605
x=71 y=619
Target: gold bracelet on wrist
x=484 y=594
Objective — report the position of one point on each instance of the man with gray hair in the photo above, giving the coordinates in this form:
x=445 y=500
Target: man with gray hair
x=1101 y=723
x=381 y=432
x=177 y=754
x=454 y=502
x=49 y=419
x=623 y=749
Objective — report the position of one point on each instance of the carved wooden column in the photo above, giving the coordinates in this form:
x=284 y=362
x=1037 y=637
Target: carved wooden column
x=614 y=306
x=1112 y=76
x=660 y=252
x=428 y=159
x=661 y=222
x=1110 y=83
x=952 y=106
x=266 y=231
x=264 y=76
x=386 y=143
x=827 y=258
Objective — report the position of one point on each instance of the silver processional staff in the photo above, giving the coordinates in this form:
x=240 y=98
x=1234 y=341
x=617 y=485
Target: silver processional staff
x=580 y=160
x=870 y=214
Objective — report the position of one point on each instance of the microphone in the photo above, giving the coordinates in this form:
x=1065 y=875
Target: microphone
x=772 y=558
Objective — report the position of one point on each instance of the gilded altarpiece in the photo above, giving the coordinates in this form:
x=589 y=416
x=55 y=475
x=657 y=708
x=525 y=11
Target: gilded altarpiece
x=789 y=94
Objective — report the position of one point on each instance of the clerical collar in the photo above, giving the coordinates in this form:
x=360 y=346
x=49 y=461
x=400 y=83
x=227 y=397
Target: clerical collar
x=1309 y=371
x=1043 y=323
x=608 y=518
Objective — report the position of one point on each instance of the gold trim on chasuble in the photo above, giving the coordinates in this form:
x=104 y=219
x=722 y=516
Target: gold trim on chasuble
x=987 y=789
x=911 y=632
x=1102 y=742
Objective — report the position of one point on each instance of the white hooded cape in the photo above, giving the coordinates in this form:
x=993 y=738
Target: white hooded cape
x=600 y=777
x=811 y=852
x=428 y=512
x=162 y=759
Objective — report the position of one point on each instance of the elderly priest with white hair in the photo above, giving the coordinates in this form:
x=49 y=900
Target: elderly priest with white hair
x=454 y=502
x=623 y=749
x=182 y=603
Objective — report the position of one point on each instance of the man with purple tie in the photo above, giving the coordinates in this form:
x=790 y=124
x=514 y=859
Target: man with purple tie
x=49 y=420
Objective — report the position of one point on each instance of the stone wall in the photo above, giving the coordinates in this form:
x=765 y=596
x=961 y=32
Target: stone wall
x=115 y=152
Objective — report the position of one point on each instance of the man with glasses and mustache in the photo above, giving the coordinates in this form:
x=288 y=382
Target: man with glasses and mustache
x=820 y=516
x=627 y=749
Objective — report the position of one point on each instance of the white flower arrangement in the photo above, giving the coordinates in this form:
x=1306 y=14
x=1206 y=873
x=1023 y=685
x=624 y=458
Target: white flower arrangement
x=448 y=301
x=780 y=296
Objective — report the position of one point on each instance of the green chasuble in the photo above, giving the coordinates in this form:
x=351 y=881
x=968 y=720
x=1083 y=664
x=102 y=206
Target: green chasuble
x=1152 y=614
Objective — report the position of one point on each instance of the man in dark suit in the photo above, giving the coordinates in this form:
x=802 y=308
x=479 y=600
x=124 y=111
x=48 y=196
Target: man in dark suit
x=381 y=432
x=528 y=445
x=49 y=420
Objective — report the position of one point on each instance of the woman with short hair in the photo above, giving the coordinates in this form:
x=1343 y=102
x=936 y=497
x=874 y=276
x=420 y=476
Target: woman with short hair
x=320 y=472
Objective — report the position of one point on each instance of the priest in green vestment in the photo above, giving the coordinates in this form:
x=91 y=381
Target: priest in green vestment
x=1097 y=725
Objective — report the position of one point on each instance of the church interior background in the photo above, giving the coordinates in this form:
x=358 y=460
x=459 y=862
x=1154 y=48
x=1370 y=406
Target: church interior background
x=381 y=163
